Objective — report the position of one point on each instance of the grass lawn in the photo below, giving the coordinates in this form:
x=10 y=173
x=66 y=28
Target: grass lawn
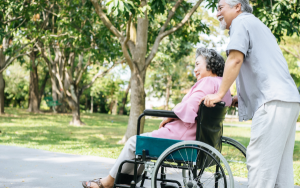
x=99 y=137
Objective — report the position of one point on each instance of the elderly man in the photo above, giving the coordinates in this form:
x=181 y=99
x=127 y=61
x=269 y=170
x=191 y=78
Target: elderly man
x=266 y=93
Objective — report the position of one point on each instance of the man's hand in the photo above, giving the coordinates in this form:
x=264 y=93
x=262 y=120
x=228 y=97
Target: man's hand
x=234 y=101
x=165 y=121
x=211 y=99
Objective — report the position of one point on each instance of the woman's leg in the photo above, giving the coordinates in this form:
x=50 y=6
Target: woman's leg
x=127 y=153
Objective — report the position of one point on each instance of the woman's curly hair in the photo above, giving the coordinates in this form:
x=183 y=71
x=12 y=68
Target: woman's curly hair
x=214 y=61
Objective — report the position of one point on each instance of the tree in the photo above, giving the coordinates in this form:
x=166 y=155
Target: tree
x=140 y=32
x=13 y=15
x=70 y=45
x=282 y=17
x=36 y=89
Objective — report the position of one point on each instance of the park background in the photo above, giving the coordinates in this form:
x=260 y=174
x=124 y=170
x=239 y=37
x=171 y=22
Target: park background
x=74 y=76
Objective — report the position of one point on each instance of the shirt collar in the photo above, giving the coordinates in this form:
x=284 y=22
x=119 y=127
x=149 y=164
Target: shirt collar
x=240 y=15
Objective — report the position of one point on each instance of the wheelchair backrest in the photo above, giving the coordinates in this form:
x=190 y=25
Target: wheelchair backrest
x=210 y=124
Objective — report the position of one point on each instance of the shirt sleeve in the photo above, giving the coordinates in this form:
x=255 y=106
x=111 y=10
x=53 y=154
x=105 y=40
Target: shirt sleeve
x=239 y=38
x=187 y=110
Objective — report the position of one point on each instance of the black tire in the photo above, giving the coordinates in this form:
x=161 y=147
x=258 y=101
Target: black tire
x=182 y=170
x=235 y=154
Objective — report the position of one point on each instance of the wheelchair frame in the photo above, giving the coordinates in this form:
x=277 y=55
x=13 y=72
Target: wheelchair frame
x=122 y=179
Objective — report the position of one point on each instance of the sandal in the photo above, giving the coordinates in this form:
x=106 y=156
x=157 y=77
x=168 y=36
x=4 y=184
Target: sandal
x=88 y=185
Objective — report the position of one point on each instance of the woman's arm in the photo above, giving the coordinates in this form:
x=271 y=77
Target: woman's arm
x=165 y=121
x=188 y=109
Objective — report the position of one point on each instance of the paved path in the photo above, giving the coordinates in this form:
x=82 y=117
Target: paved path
x=33 y=168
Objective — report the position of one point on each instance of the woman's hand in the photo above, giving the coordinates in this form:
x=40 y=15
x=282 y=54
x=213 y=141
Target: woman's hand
x=234 y=101
x=165 y=121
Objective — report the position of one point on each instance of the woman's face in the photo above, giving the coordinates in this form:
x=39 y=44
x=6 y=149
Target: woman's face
x=200 y=68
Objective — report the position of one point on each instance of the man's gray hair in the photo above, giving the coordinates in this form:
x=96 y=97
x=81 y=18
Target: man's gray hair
x=245 y=5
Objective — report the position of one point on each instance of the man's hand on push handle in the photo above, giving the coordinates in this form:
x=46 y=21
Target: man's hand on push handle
x=211 y=99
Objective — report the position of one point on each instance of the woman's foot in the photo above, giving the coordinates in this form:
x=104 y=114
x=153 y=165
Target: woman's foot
x=107 y=182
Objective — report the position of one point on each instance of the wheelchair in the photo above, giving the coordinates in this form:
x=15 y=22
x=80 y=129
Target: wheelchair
x=210 y=161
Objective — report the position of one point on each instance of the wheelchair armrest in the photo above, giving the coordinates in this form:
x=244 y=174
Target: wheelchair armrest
x=157 y=113
x=160 y=113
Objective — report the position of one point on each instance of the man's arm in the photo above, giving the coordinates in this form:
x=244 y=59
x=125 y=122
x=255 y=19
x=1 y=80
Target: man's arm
x=232 y=68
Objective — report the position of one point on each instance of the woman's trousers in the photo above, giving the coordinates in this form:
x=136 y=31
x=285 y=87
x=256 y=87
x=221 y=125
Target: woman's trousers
x=127 y=153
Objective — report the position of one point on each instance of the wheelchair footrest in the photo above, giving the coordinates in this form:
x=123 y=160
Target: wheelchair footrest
x=125 y=186
x=126 y=178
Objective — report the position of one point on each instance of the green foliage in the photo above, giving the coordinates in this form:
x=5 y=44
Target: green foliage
x=281 y=16
x=157 y=12
x=291 y=51
x=175 y=59
x=17 y=85
x=172 y=61
x=108 y=89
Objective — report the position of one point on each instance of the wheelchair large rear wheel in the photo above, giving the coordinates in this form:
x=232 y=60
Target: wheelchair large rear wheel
x=235 y=154
x=191 y=164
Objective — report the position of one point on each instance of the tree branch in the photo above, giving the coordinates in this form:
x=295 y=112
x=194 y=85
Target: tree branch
x=7 y=34
x=100 y=74
x=128 y=29
x=51 y=12
x=171 y=14
x=127 y=56
x=10 y=61
x=168 y=32
x=124 y=43
x=183 y=21
x=81 y=72
x=288 y=51
x=12 y=19
x=105 y=20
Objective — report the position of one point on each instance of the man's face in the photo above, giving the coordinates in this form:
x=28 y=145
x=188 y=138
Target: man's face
x=226 y=14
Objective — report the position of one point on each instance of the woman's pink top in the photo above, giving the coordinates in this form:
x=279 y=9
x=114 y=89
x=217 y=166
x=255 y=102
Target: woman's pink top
x=185 y=127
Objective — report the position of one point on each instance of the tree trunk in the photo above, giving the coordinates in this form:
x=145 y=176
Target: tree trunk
x=2 y=82
x=169 y=85
x=86 y=103
x=74 y=105
x=138 y=74
x=2 y=86
x=34 y=86
x=114 y=110
x=42 y=89
x=54 y=82
x=92 y=104
x=111 y=105
x=137 y=100
x=124 y=100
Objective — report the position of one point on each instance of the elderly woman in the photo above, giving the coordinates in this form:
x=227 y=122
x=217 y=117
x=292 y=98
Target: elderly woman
x=209 y=68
